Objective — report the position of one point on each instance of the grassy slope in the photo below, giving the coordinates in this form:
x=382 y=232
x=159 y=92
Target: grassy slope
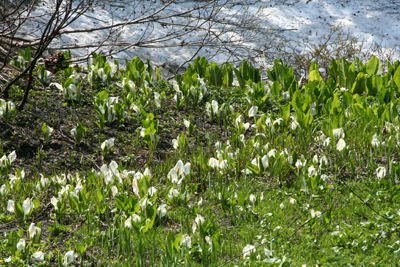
x=284 y=222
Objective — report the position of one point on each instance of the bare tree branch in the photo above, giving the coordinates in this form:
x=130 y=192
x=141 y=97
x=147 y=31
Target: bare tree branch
x=63 y=14
x=198 y=27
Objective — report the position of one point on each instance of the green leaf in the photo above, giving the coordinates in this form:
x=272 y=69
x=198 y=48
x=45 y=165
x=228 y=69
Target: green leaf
x=170 y=243
x=394 y=113
x=334 y=71
x=276 y=89
x=134 y=205
x=73 y=202
x=227 y=74
x=285 y=264
x=313 y=181
x=374 y=67
x=396 y=78
x=80 y=248
x=44 y=129
x=13 y=241
x=68 y=82
x=190 y=76
x=253 y=169
x=359 y=86
x=361 y=66
x=28 y=55
x=215 y=74
x=151 y=214
x=347 y=74
x=284 y=76
x=19 y=212
x=121 y=202
x=336 y=106
x=182 y=141
x=285 y=111
x=103 y=95
x=314 y=74
x=200 y=65
x=357 y=99
x=239 y=77
x=376 y=85
x=347 y=100
x=241 y=199
x=254 y=74
x=296 y=100
x=143 y=187
x=307 y=120
x=36 y=204
x=244 y=70
x=371 y=115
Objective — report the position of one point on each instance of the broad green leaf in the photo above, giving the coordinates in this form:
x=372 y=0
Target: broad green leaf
x=254 y=74
x=36 y=204
x=385 y=95
x=285 y=111
x=177 y=242
x=138 y=63
x=121 y=202
x=134 y=205
x=307 y=120
x=396 y=80
x=190 y=76
x=374 y=67
x=284 y=76
x=227 y=74
x=276 y=89
x=336 y=104
x=241 y=199
x=359 y=86
x=347 y=74
x=13 y=239
x=242 y=82
x=358 y=109
x=394 y=113
x=360 y=65
x=377 y=85
x=313 y=181
x=200 y=65
x=390 y=69
x=379 y=111
x=19 y=212
x=314 y=74
x=151 y=212
x=297 y=100
x=244 y=70
x=347 y=99
x=215 y=74
x=385 y=116
x=103 y=95
x=143 y=187
x=334 y=71
x=396 y=73
x=80 y=248
x=253 y=169
x=371 y=115
x=357 y=99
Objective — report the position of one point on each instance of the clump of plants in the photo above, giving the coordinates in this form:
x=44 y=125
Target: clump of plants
x=180 y=173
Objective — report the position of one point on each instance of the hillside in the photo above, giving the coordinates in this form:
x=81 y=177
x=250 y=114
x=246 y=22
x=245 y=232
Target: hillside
x=221 y=166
